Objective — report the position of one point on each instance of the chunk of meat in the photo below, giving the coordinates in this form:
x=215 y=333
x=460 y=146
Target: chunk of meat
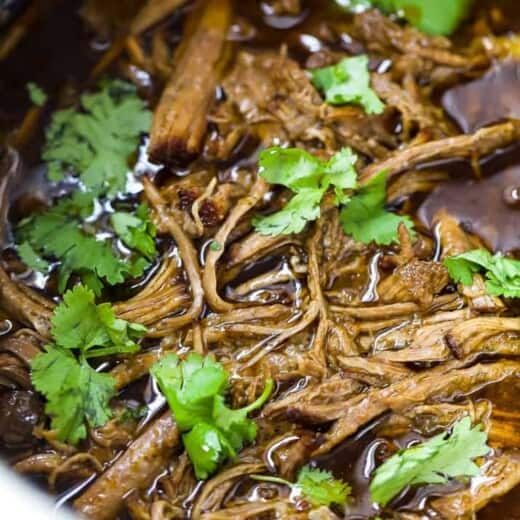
x=136 y=468
x=21 y=411
x=416 y=281
x=180 y=120
x=472 y=146
x=383 y=35
x=434 y=384
x=270 y=95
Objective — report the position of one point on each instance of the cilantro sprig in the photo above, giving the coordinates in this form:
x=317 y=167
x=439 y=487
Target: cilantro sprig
x=59 y=234
x=363 y=213
x=317 y=486
x=431 y=462
x=348 y=82
x=195 y=390
x=502 y=274
x=76 y=394
x=96 y=140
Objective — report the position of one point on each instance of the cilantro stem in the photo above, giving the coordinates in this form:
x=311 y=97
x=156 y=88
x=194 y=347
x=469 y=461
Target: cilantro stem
x=108 y=351
x=274 y=480
x=269 y=385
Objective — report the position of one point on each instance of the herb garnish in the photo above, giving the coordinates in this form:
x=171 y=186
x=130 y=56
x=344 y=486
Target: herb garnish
x=59 y=234
x=502 y=274
x=363 y=213
x=348 y=82
x=431 y=462
x=195 y=390
x=77 y=394
x=96 y=141
x=317 y=486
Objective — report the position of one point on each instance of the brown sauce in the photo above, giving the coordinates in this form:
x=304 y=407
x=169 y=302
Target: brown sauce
x=487 y=100
x=485 y=207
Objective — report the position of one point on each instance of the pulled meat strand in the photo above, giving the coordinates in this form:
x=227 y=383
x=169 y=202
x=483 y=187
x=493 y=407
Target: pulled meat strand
x=190 y=262
x=353 y=414
x=180 y=121
x=136 y=468
x=473 y=146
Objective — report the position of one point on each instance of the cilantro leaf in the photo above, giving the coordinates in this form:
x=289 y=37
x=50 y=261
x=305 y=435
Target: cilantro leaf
x=36 y=94
x=309 y=178
x=190 y=386
x=290 y=167
x=207 y=448
x=320 y=488
x=31 y=258
x=79 y=323
x=348 y=82
x=303 y=208
x=136 y=231
x=194 y=389
x=317 y=486
x=502 y=274
x=95 y=143
x=340 y=172
x=365 y=217
x=74 y=392
x=433 y=461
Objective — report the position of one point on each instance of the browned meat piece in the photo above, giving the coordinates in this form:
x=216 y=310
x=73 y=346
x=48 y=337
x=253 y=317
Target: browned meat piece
x=273 y=96
x=435 y=384
x=20 y=302
x=21 y=411
x=165 y=294
x=473 y=335
x=22 y=307
x=424 y=344
x=365 y=133
x=200 y=202
x=500 y=475
x=373 y=371
x=213 y=493
x=329 y=391
x=189 y=259
x=454 y=240
x=472 y=146
x=416 y=115
x=383 y=35
x=136 y=468
x=180 y=120
x=415 y=281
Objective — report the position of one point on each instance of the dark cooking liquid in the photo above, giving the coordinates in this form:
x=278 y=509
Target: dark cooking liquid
x=59 y=51
x=486 y=207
